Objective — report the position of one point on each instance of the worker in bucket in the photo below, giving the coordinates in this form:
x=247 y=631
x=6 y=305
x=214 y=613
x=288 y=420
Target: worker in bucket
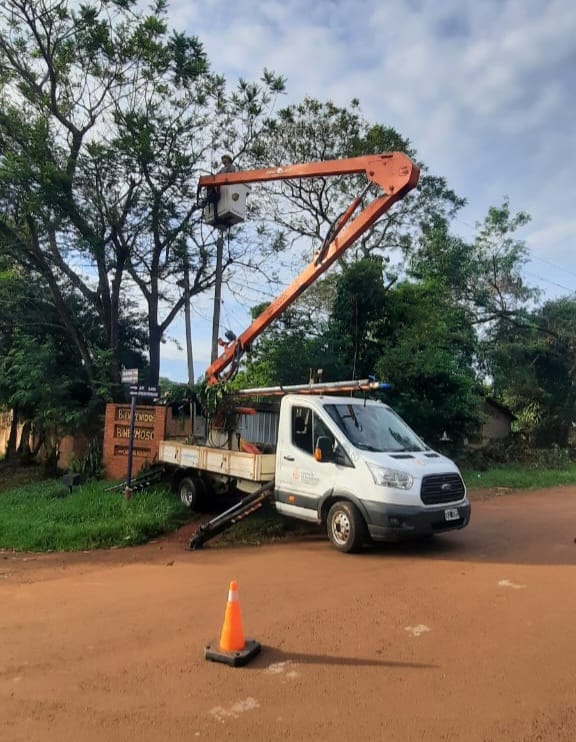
x=227 y=165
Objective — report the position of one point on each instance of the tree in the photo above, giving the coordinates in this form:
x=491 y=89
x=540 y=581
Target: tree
x=484 y=275
x=42 y=377
x=306 y=208
x=483 y=279
x=106 y=118
x=427 y=351
x=288 y=352
x=358 y=307
x=407 y=334
x=41 y=380
x=301 y=212
x=533 y=368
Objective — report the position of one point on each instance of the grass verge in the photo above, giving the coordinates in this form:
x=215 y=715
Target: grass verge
x=519 y=476
x=45 y=517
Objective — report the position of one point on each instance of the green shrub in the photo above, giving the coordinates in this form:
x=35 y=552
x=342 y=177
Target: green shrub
x=502 y=453
x=90 y=465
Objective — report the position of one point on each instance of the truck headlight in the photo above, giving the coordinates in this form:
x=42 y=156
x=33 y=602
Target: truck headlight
x=385 y=477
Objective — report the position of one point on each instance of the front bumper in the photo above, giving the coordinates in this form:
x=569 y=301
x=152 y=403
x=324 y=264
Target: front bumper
x=387 y=522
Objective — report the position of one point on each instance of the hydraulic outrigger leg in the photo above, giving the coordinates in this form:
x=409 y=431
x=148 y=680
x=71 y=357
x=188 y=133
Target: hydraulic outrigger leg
x=228 y=518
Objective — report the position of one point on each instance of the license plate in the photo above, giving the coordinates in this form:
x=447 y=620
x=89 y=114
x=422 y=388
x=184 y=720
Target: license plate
x=452 y=514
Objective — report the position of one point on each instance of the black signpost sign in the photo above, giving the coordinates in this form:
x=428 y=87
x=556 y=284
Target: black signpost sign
x=139 y=390
x=136 y=390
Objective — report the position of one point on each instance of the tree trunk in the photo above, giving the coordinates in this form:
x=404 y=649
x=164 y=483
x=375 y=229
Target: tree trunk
x=155 y=338
x=51 y=453
x=24 y=451
x=12 y=437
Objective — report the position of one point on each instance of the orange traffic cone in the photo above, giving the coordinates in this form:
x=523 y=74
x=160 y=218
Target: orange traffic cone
x=233 y=649
x=232 y=636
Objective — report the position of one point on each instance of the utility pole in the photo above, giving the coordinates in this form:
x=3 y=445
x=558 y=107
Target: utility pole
x=188 y=326
x=217 y=297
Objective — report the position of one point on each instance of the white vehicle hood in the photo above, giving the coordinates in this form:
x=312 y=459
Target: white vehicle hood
x=417 y=463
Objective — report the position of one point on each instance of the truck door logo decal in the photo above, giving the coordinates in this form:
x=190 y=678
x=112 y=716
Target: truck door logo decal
x=306 y=477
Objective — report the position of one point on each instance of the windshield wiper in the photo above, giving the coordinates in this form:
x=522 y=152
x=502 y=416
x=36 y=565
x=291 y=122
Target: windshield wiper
x=367 y=447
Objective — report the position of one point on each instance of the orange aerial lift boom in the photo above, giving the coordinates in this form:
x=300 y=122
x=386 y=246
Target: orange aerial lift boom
x=394 y=172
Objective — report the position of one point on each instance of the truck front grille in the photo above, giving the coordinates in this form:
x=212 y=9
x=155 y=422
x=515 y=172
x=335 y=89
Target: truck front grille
x=442 y=488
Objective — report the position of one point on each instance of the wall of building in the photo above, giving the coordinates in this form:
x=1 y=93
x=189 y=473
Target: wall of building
x=5 y=423
x=497 y=423
x=70 y=447
x=153 y=424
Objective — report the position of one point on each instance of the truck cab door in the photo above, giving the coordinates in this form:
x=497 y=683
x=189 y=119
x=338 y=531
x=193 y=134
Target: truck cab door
x=301 y=481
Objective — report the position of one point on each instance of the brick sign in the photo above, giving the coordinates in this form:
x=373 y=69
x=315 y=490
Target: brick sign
x=149 y=427
x=143 y=427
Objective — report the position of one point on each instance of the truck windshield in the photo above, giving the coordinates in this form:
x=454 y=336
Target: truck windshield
x=374 y=428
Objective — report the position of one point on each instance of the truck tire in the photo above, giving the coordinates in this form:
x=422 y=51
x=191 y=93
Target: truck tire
x=189 y=492
x=346 y=527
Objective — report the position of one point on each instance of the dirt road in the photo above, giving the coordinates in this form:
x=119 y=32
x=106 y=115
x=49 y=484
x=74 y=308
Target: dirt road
x=470 y=637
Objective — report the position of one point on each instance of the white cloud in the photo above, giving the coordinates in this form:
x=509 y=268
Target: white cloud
x=557 y=235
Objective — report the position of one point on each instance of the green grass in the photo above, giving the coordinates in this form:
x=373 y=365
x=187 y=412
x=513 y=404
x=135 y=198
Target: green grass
x=45 y=517
x=519 y=476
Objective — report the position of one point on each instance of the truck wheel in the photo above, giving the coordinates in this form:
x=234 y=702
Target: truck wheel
x=346 y=527
x=189 y=492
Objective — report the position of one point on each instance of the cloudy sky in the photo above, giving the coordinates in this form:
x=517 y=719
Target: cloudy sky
x=485 y=91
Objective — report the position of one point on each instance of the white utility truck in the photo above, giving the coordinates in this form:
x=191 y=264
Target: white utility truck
x=350 y=463
x=345 y=461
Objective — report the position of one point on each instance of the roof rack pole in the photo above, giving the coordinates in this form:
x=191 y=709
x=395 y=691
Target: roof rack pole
x=363 y=385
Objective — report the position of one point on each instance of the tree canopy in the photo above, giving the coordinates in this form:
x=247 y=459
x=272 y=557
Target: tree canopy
x=107 y=118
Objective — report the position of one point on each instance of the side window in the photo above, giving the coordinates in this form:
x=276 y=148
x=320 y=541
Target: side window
x=306 y=428
x=302 y=428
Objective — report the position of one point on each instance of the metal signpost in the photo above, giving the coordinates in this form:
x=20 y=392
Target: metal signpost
x=130 y=376
x=136 y=391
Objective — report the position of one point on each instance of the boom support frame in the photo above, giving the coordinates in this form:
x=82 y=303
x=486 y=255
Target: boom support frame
x=394 y=172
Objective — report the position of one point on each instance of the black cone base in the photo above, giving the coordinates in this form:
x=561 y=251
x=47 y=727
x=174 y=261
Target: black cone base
x=235 y=659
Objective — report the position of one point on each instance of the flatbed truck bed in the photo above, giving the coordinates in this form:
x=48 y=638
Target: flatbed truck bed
x=251 y=467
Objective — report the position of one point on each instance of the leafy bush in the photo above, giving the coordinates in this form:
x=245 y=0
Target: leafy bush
x=516 y=452
x=90 y=465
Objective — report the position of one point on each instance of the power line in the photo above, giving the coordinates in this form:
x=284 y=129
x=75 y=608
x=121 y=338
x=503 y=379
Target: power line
x=553 y=283
x=554 y=265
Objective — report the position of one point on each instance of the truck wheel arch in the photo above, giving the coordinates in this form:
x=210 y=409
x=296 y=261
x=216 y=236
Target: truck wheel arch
x=333 y=496
x=346 y=527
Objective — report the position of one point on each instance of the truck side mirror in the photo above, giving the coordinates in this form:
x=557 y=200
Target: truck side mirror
x=323 y=449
